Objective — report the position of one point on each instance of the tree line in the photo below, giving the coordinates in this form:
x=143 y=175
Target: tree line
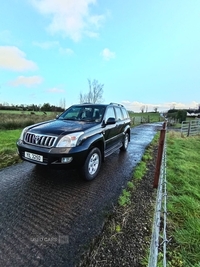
x=44 y=108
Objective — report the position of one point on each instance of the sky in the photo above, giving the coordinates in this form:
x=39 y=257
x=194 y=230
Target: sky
x=146 y=53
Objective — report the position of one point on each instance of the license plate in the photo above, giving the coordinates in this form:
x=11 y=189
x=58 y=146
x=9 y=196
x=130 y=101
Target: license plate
x=33 y=156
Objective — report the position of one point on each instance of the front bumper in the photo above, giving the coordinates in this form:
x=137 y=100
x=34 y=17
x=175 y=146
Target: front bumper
x=53 y=156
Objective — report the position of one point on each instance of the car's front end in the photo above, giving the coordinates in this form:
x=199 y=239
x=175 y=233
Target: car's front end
x=52 y=143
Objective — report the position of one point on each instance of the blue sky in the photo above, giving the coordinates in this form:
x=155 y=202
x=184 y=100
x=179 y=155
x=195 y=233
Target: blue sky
x=145 y=52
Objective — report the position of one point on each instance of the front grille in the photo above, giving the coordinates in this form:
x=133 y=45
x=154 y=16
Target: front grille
x=40 y=140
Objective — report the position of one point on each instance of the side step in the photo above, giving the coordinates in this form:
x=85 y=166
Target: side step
x=111 y=150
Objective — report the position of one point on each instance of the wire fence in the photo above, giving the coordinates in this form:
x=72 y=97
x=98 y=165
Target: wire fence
x=159 y=234
x=159 y=239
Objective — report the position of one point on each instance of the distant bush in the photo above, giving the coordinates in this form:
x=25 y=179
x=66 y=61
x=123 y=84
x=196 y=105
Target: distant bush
x=177 y=115
x=181 y=115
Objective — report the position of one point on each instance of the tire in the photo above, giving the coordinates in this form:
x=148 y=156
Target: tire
x=125 y=142
x=92 y=165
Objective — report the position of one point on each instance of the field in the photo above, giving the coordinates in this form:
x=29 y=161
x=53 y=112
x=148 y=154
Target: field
x=8 y=149
x=183 y=170
x=145 y=117
x=17 y=119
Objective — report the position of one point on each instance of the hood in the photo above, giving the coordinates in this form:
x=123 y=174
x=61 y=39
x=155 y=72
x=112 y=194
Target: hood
x=60 y=127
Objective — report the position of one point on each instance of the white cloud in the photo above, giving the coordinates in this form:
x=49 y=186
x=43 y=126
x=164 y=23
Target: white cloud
x=136 y=106
x=55 y=90
x=12 y=58
x=92 y=34
x=46 y=45
x=178 y=105
x=66 y=51
x=69 y=17
x=107 y=54
x=53 y=44
x=26 y=81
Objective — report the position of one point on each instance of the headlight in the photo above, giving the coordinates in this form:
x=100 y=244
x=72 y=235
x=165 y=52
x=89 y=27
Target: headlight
x=23 y=132
x=69 y=140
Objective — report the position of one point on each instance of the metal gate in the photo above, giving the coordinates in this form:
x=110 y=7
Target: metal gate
x=190 y=127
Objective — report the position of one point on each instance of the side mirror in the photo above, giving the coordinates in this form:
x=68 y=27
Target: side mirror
x=110 y=121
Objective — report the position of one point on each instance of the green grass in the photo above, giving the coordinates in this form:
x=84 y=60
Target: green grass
x=183 y=175
x=11 y=121
x=141 y=168
x=8 y=149
x=183 y=203
x=124 y=198
x=139 y=172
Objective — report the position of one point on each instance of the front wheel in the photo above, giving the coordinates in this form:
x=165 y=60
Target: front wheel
x=92 y=165
x=125 y=142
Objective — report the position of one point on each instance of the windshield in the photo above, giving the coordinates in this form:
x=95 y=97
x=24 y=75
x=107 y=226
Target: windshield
x=83 y=113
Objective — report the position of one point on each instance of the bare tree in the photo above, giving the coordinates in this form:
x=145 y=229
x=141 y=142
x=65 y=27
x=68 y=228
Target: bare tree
x=95 y=93
x=155 y=109
x=142 y=108
x=62 y=103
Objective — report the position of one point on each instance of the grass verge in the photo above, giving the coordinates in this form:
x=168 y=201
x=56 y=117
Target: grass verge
x=183 y=169
x=183 y=205
x=8 y=149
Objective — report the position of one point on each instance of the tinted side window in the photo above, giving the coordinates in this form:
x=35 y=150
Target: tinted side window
x=125 y=113
x=109 y=113
x=118 y=114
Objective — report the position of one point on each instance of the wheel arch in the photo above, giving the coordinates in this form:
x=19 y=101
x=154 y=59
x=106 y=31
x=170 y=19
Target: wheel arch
x=128 y=130
x=100 y=145
x=95 y=141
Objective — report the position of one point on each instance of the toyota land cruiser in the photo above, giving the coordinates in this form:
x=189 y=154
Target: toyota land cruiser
x=80 y=138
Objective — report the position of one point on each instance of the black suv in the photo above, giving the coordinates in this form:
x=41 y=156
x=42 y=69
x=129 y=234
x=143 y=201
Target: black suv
x=80 y=138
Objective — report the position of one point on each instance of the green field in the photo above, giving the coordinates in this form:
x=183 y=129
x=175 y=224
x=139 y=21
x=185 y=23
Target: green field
x=19 y=112
x=183 y=170
x=15 y=120
x=145 y=117
x=8 y=149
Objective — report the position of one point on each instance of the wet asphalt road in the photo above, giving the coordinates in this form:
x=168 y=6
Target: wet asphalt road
x=47 y=217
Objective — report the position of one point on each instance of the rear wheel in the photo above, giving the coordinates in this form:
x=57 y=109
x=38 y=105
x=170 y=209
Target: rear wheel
x=125 y=142
x=92 y=165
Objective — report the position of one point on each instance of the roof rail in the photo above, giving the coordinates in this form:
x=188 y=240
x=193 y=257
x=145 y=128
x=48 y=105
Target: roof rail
x=116 y=104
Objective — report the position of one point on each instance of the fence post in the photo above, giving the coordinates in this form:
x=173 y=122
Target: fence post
x=159 y=156
x=189 y=127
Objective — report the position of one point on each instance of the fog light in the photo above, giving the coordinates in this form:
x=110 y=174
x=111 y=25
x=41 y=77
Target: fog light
x=66 y=159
